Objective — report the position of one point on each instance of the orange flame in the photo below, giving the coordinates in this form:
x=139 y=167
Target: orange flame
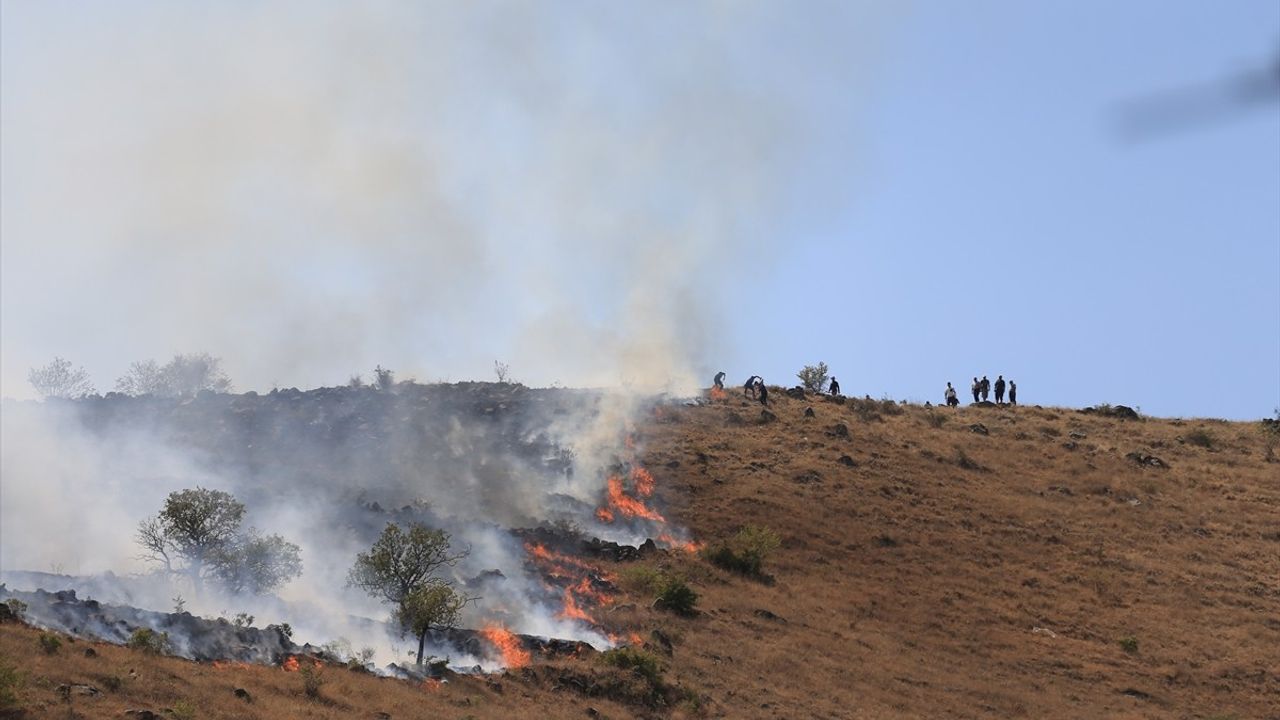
x=572 y=611
x=686 y=545
x=513 y=655
x=642 y=480
x=604 y=515
x=290 y=665
x=432 y=685
x=620 y=501
x=718 y=393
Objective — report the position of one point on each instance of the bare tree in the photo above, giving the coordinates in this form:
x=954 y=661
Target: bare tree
x=502 y=370
x=59 y=380
x=183 y=376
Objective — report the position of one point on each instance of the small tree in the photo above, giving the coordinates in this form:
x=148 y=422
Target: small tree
x=59 y=380
x=144 y=378
x=813 y=377
x=202 y=528
x=502 y=370
x=401 y=570
x=383 y=378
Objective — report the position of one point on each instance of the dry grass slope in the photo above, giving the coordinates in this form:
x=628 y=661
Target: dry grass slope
x=1002 y=563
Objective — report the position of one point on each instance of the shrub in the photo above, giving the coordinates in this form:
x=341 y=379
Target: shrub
x=183 y=710
x=11 y=681
x=966 y=462
x=641 y=578
x=1199 y=438
x=242 y=620
x=149 y=641
x=113 y=683
x=49 y=643
x=674 y=594
x=312 y=680
x=935 y=420
x=889 y=407
x=866 y=409
x=1129 y=644
x=746 y=551
x=285 y=630
x=813 y=377
x=638 y=661
x=17 y=608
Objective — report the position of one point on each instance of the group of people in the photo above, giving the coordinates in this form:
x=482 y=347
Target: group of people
x=982 y=391
x=756 y=389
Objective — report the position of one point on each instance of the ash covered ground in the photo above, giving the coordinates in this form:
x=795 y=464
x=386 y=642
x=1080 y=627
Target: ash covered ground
x=535 y=484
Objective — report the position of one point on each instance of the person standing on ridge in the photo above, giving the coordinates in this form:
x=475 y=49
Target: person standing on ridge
x=719 y=381
x=976 y=387
x=950 y=396
x=999 y=389
x=749 y=388
x=835 y=386
x=764 y=391
x=985 y=387
x=1013 y=393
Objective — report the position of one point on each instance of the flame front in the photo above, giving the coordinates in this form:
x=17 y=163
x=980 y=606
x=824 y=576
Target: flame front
x=513 y=655
x=290 y=665
x=620 y=502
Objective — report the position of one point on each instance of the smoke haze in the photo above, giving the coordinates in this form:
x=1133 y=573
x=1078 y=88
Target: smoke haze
x=307 y=189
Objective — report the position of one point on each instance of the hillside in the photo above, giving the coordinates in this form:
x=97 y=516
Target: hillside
x=1002 y=562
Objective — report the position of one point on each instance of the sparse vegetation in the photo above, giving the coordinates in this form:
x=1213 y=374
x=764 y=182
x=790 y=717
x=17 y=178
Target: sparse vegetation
x=17 y=608
x=642 y=663
x=149 y=641
x=49 y=643
x=384 y=379
x=935 y=419
x=11 y=683
x=183 y=710
x=59 y=380
x=865 y=409
x=182 y=377
x=813 y=377
x=889 y=407
x=1129 y=644
x=503 y=371
x=746 y=551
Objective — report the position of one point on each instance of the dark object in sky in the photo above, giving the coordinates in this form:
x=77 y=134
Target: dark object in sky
x=1193 y=107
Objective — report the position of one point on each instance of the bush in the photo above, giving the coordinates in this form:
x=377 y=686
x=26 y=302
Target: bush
x=49 y=643
x=11 y=681
x=113 y=683
x=59 y=380
x=1199 y=438
x=17 y=608
x=1129 y=644
x=935 y=420
x=866 y=409
x=183 y=710
x=312 y=680
x=746 y=551
x=149 y=641
x=674 y=594
x=638 y=661
x=641 y=578
x=813 y=377
x=889 y=407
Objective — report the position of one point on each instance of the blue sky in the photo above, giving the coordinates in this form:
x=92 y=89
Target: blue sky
x=995 y=218
x=609 y=193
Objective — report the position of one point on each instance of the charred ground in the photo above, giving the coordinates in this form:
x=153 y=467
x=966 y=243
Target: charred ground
x=998 y=562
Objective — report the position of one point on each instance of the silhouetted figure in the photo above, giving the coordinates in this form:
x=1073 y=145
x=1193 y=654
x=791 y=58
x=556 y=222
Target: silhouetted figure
x=1013 y=393
x=749 y=388
x=719 y=381
x=985 y=387
x=835 y=386
x=999 y=389
x=950 y=395
x=764 y=392
x=977 y=388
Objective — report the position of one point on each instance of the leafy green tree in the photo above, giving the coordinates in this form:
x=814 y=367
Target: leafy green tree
x=59 y=379
x=401 y=569
x=813 y=377
x=197 y=533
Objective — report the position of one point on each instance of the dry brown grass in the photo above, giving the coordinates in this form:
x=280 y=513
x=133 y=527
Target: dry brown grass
x=906 y=584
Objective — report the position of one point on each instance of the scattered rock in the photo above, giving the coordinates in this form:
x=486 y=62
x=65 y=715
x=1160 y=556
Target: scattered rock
x=243 y=695
x=1122 y=412
x=1135 y=693
x=1146 y=460
x=592 y=712
x=142 y=715
x=837 y=399
x=767 y=417
x=69 y=690
x=383 y=716
x=808 y=476
x=1078 y=435
x=839 y=430
x=983 y=404
x=796 y=392
x=733 y=419
x=762 y=613
x=808 y=412
x=885 y=541
x=847 y=461
x=1044 y=631
x=979 y=428
x=90 y=653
